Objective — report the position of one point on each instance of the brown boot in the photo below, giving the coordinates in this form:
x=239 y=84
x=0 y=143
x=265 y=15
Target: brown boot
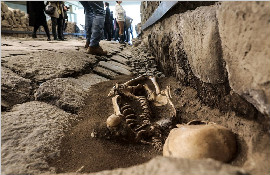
x=96 y=50
x=87 y=44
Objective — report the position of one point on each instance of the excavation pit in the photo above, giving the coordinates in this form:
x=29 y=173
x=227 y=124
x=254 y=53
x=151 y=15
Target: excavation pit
x=82 y=152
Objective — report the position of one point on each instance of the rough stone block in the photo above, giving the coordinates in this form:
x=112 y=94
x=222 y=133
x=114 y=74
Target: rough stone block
x=4 y=7
x=14 y=89
x=244 y=31
x=65 y=93
x=199 y=29
x=31 y=134
x=87 y=80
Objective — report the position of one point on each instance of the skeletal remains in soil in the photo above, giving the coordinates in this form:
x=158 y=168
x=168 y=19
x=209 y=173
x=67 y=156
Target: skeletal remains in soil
x=136 y=121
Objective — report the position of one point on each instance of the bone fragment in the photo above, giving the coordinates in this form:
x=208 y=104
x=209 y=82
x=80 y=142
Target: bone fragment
x=116 y=107
x=161 y=100
x=141 y=77
x=154 y=81
x=167 y=92
x=80 y=169
x=150 y=93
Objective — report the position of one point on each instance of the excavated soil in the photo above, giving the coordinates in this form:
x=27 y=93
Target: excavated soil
x=82 y=153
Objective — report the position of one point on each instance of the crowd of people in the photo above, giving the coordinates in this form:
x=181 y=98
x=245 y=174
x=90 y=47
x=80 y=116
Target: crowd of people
x=37 y=18
x=99 y=23
x=112 y=30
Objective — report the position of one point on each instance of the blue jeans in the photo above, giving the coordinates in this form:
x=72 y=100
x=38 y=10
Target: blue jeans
x=94 y=21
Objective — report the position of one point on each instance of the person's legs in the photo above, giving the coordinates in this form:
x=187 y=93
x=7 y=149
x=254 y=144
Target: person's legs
x=128 y=35
x=60 y=27
x=121 y=27
x=34 y=34
x=98 y=22
x=97 y=28
x=89 y=15
x=131 y=32
x=46 y=28
x=54 y=21
x=116 y=32
x=121 y=31
x=109 y=32
x=105 y=36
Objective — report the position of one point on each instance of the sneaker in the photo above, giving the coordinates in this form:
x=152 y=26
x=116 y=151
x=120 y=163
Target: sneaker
x=96 y=50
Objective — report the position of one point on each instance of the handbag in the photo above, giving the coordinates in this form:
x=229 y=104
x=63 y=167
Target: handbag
x=49 y=9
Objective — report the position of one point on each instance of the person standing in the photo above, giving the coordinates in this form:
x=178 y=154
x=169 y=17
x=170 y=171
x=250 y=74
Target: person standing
x=128 y=28
x=57 y=19
x=37 y=18
x=107 y=24
x=120 y=14
x=94 y=24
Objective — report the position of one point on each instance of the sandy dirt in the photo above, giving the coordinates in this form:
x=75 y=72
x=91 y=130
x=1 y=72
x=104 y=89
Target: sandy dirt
x=79 y=149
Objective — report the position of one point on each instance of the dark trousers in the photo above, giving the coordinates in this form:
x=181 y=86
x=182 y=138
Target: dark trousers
x=59 y=23
x=94 y=21
x=116 y=34
x=45 y=26
x=107 y=31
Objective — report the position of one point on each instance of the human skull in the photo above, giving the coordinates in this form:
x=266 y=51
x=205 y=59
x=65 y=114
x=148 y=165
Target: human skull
x=201 y=141
x=113 y=120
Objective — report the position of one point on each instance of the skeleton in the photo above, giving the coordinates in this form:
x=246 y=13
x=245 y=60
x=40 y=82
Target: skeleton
x=140 y=125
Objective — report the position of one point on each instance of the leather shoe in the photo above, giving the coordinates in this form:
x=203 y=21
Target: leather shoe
x=96 y=50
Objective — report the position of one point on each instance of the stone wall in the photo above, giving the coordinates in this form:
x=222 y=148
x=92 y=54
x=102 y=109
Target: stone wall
x=17 y=20
x=13 y=19
x=222 y=50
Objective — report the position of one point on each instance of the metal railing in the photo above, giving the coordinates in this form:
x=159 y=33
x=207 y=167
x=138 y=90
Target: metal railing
x=162 y=9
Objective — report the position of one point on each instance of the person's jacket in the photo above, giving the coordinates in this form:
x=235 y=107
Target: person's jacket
x=58 y=8
x=120 y=13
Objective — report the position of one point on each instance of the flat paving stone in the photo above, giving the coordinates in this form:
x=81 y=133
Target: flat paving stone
x=105 y=72
x=87 y=80
x=119 y=59
x=45 y=65
x=119 y=65
x=114 y=68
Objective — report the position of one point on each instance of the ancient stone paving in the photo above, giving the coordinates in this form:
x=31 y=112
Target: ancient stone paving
x=43 y=86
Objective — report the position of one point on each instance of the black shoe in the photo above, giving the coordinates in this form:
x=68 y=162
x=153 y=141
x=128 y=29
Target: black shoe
x=121 y=41
x=34 y=35
x=49 y=39
x=55 y=38
x=61 y=39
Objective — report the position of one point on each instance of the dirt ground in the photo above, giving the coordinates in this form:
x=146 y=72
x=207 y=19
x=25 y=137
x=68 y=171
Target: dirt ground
x=80 y=151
